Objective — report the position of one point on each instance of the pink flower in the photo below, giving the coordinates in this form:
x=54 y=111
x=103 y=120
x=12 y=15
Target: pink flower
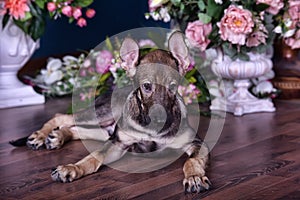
x=235 y=25
x=103 y=61
x=256 y=38
x=294 y=12
x=90 y=13
x=189 y=93
x=17 y=8
x=197 y=33
x=294 y=42
x=81 y=22
x=51 y=6
x=67 y=10
x=275 y=5
x=77 y=13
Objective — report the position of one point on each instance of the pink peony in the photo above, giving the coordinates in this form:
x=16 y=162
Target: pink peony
x=51 y=6
x=67 y=10
x=17 y=8
x=197 y=33
x=103 y=61
x=77 y=13
x=275 y=5
x=294 y=42
x=81 y=22
x=235 y=25
x=90 y=13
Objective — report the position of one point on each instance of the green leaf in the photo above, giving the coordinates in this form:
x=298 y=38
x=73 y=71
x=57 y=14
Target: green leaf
x=176 y=2
x=40 y=3
x=229 y=50
x=83 y=3
x=261 y=7
x=108 y=44
x=204 y=18
x=213 y=9
x=201 y=5
x=5 y=20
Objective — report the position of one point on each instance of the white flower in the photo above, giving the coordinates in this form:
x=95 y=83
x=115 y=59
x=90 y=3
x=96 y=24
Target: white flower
x=70 y=61
x=289 y=33
x=263 y=87
x=278 y=29
x=164 y=14
x=155 y=16
x=219 y=1
x=52 y=73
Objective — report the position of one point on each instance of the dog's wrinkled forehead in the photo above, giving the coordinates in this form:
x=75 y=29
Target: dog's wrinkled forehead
x=160 y=57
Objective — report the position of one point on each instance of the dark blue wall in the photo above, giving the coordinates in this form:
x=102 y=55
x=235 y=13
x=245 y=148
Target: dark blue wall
x=112 y=17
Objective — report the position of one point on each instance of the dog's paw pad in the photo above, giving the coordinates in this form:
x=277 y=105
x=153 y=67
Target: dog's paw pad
x=64 y=174
x=36 y=140
x=196 y=184
x=54 y=140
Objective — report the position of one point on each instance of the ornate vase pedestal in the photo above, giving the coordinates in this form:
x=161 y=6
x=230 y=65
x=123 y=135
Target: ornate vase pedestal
x=241 y=101
x=15 y=50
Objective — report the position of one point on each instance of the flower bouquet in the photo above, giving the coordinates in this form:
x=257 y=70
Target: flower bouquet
x=31 y=15
x=99 y=70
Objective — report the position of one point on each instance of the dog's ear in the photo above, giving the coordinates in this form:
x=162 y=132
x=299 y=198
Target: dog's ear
x=129 y=53
x=179 y=50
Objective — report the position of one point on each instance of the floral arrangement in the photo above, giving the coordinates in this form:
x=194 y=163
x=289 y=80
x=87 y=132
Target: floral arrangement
x=102 y=69
x=31 y=15
x=236 y=26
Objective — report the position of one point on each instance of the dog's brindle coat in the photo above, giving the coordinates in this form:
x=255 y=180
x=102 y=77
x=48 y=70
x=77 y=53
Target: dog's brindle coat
x=135 y=128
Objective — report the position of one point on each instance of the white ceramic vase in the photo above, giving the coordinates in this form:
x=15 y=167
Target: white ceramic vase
x=15 y=50
x=241 y=101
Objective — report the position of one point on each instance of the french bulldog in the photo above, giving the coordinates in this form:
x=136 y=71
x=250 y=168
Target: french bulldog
x=149 y=117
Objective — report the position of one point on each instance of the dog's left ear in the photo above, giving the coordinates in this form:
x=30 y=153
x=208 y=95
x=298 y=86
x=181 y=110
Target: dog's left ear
x=129 y=53
x=179 y=50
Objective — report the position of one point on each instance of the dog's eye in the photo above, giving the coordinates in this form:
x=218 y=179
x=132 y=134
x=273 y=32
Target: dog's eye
x=173 y=86
x=147 y=87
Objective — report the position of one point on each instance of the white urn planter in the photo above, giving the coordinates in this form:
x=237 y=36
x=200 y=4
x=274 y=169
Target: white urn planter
x=15 y=50
x=241 y=101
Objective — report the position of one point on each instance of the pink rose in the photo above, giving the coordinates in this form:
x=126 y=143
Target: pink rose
x=275 y=5
x=294 y=42
x=67 y=10
x=81 y=22
x=90 y=13
x=197 y=32
x=51 y=6
x=235 y=25
x=103 y=61
x=77 y=13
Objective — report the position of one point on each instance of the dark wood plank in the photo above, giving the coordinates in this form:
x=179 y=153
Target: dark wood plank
x=256 y=157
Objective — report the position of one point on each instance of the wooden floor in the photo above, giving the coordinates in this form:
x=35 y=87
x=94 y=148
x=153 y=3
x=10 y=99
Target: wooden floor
x=256 y=157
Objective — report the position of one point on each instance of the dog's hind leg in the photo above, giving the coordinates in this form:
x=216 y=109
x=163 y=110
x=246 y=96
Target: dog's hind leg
x=37 y=139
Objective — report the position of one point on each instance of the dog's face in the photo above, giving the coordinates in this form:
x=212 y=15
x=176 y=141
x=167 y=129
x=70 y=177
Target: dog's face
x=156 y=77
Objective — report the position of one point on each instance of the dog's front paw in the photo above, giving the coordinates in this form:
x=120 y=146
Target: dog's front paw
x=65 y=174
x=55 y=140
x=196 y=184
x=36 y=140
